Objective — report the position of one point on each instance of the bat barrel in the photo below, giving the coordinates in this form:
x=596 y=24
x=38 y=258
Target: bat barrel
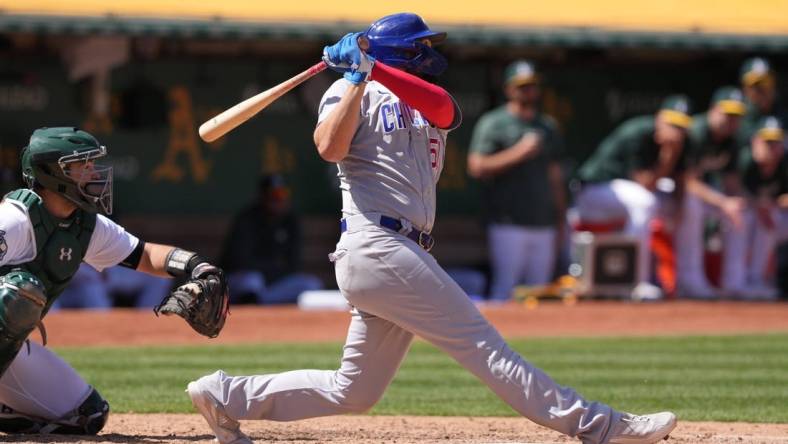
x=227 y=120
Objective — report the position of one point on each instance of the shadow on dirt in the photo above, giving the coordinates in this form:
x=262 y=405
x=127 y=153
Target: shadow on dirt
x=105 y=437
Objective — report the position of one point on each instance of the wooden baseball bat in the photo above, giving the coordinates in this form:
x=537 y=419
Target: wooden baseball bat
x=230 y=118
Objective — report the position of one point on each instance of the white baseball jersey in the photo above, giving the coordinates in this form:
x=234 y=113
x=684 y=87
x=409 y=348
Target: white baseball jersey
x=38 y=382
x=109 y=244
x=395 y=158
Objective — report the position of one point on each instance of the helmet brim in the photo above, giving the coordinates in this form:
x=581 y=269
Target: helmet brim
x=435 y=38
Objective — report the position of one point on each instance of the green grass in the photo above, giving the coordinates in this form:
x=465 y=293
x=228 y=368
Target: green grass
x=731 y=378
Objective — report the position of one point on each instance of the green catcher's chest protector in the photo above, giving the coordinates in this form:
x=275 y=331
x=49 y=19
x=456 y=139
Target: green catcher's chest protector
x=60 y=247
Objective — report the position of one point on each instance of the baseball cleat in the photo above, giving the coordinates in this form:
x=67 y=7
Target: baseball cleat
x=646 y=429
x=226 y=429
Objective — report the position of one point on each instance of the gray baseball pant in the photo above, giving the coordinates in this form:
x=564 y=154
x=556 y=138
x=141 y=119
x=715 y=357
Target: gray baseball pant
x=399 y=290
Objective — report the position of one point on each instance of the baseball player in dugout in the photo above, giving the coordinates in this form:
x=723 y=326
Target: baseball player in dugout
x=713 y=192
x=620 y=179
x=764 y=171
x=46 y=231
x=385 y=127
x=515 y=150
x=759 y=84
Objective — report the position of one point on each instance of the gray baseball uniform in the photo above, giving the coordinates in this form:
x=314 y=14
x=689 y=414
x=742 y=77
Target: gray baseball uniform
x=398 y=290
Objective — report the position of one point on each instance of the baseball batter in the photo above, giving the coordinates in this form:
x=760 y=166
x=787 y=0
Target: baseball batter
x=386 y=129
x=45 y=233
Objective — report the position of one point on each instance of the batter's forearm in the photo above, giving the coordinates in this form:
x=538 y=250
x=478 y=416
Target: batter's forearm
x=432 y=101
x=334 y=135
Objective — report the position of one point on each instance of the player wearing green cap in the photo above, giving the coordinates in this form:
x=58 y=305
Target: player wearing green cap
x=620 y=179
x=764 y=171
x=712 y=189
x=758 y=82
x=515 y=151
x=46 y=231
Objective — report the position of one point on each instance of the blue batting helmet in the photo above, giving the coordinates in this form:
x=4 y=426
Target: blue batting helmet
x=404 y=41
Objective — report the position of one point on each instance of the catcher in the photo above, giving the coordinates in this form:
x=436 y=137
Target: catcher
x=45 y=232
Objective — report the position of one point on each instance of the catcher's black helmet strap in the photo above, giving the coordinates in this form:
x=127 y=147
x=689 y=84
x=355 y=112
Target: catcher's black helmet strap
x=133 y=259
x=181 y=262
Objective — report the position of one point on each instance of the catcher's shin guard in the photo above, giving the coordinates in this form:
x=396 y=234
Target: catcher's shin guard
x=87 y=419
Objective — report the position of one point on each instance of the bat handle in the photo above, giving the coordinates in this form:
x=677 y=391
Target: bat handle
x=314 y=69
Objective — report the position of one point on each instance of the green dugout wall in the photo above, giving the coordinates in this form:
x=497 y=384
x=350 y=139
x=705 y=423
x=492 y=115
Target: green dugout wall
x=157 y=102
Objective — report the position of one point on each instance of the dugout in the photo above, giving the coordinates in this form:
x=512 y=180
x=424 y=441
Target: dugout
x=142 y=75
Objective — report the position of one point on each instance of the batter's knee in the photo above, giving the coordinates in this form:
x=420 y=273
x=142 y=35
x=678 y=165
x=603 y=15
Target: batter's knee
x=357 y=402
x=357 y=397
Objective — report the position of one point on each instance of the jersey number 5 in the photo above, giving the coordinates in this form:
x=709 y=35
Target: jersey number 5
x=434 y=150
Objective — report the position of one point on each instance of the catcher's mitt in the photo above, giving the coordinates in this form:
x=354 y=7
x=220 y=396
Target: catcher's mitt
x=203 y=301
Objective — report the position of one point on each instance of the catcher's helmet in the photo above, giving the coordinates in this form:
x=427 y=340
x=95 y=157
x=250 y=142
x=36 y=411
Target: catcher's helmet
x=63 y=160
x=404 y=41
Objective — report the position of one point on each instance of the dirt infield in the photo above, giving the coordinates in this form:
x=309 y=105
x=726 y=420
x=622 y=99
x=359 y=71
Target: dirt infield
x=172 y=429
x=284 y=324
x=288 y=324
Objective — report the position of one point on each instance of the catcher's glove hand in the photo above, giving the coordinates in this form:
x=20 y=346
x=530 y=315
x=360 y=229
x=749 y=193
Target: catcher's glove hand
x=203 y=301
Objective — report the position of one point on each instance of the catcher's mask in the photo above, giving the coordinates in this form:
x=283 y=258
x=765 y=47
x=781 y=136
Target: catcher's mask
x=63 y=160
x=404 y=41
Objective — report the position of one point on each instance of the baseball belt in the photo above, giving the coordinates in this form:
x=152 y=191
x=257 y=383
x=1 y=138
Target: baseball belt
x=422 y=239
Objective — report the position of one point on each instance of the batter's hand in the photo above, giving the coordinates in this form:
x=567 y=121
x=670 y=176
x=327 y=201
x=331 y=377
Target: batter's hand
x=347 y=57
x=344 y=55
x=362 y=72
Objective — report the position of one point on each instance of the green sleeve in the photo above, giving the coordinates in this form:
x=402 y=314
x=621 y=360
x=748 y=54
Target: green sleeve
x=605 y=163
x=483 y=138
x=633 y=154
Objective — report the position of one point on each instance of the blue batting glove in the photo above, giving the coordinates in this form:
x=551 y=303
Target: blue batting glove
x=360 y=73
x=343 y=55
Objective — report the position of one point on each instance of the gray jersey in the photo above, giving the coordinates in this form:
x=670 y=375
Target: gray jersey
x=395 y=157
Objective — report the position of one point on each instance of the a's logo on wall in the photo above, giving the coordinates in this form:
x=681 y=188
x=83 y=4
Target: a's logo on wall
x=65 y=254
x=183 y=141
x=3 y=245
